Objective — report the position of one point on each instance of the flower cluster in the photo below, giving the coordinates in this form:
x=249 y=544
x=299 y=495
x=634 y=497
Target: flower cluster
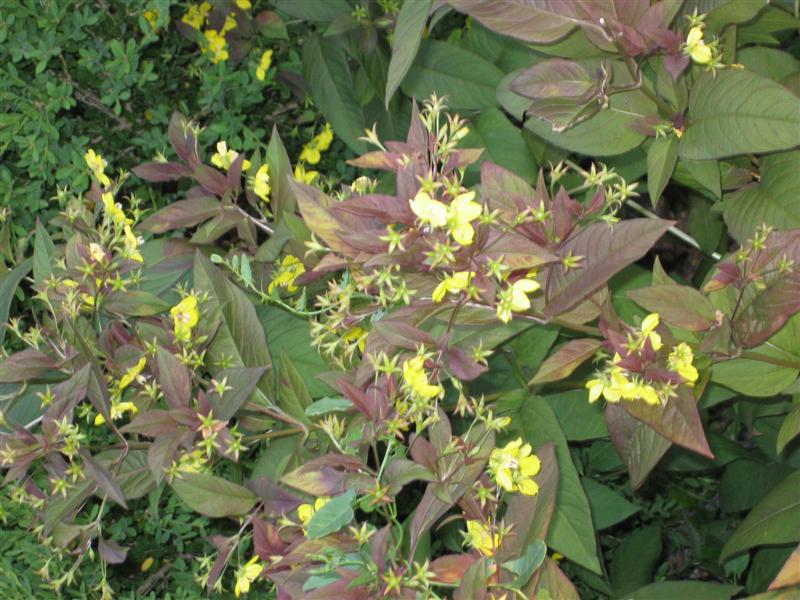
x=640 y=368
x=213 y=41
x=312 y=154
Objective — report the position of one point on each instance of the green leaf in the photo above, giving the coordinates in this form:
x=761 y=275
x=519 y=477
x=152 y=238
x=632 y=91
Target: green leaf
x=134 y=303
x=572 y=531
x=661 y=159
x=293 y=396
x=327 y=73
x=609 y=507
x=775 y=520
x=405 y=42
x=772 y=202
x=326 y=405
x=280 y=170
x=468 y=81
x=524 y=566
x=670 y=590
x=8 y=287
x=43 y=254
x=707 y=174
x=635 y=559
x=790 y=428
x=322 y=11
x=337 y=513
x=503 y=143
x=679 y=305
x=738 y=112
x=213 y=496
x=579 y=420
x=745 y=482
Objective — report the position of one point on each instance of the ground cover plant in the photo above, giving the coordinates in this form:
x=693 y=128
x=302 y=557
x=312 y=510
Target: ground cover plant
x=437 y=347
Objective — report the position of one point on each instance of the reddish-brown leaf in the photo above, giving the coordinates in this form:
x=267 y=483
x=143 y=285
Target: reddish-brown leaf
x=565 y=360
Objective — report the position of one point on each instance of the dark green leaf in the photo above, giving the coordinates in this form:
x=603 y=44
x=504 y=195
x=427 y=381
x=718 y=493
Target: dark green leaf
x=405 y=42
x=661 y=159
x=670 y=590
x=635 y=559
x=337 y=513
x=609 y=507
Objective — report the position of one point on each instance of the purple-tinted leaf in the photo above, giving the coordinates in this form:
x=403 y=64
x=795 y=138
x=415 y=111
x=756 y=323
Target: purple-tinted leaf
x=104 y=479
x=605 y=251
x=639 y=446
x=538 y=21
x=134 y=303
x=565 y=360
x=462 y=366
x=557 y=77
x=551 y=578
x=678 y=421
x=678 y=305
x=270 y=25
x=211 y=180
x=181 y=136
x=161 y=453
x=451 y=568
x=174 y=379
x=276 y=501
x=162 y=171
x=184 y=213
x=68 y=393
x=225 y=547
x=213 y=496
x=280 y=172
x=111 y=551
x=474 y=584
x=243 y=382
x=402 y=471
x=25 y=365
x=155 y=423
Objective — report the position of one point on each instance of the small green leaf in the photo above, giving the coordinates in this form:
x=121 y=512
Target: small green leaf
x=661 y=159
x=327 y=405
x=524 y=566
x=337 y=513
x=609 y=507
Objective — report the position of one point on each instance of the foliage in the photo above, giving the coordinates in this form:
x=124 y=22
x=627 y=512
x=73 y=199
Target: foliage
x=460 y=374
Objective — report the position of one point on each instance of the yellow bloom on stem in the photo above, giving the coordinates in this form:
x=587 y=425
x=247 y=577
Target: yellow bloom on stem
x=229 y=24
x=132 y=245
x=696 y=47
x=680 y=361
x=417 y=379
x=117 y=410
x=460 y=214
x=649 y=331
x=216 y=45
x=185 y=316
x=452 y=283
x=429 y=211
x=514 y=466
x=307 y=177
x=131 y=374
x=306 y=511
x=481 y=538
x=114 y=210
x=244 y=4
x=261 y=186
x=151 y=16
x=263 y=65
x=608 y=383
x=97 y=253
x=357 y=334
x=515 y=298
x=146 y=564
x=291 y=268
x=638 y=389
x=247 y=574
x=195 y=15
x=97 y=165
x=223 y=158
x=312 y=151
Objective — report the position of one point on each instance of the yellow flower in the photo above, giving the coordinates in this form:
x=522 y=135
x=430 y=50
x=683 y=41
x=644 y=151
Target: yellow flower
x=151 y=16
x=514 y=466
x=460 y=214
x=608 y=383
x=247 y=574
x=185 y=316
x=515 y=298
x=132 y=245
x=215 y=45
x=357 y=334
x=244 y=4
x=453 y=284
x=97 y=165
x=223 y=158
x=263 y=65
x=481 y=538
x=97 y=253
x=696 y=47
x=306 y=511
x=417 y=379
x=649 y=331
x=146 y=564
x=261 y=186
x=131 y=374
x=307 y=177
x=114 y=210
x=229 y=24
x=637 y=389
x=291 y=268
x=196 y=15
x=117 y=410
x=429 y=211
x=313 y=150
x=680 y=361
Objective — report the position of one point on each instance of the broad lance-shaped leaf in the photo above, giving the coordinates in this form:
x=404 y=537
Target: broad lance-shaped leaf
x=337 y=513
x=242 y=382
x=213 y=496
x=405 y=42
x=174 y=379
x=43 y=253
x=678 y=420
x=8 y=287
x=661 y=159
x=604 y=251
x=678 y=305
x=775 y=520
x=735 y=111
x=183 y=213
x=561 y=363
x=536 y=21
x=281 y=196
x=639 y=446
